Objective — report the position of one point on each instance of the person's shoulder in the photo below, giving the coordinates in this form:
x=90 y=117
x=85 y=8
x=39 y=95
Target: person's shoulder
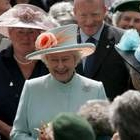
x=38 y=80
x=95 y=88
x=115 y=32
x=4 y=43
x=116 y=29
x=6 y=51
x=89 y=81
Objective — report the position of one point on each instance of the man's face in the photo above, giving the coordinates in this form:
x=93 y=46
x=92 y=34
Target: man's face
x=89 y=15
x=61 y=65
x=23 y=39
x=129 y=20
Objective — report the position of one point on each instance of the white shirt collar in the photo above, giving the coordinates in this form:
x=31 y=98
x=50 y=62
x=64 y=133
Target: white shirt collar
x=84 y=37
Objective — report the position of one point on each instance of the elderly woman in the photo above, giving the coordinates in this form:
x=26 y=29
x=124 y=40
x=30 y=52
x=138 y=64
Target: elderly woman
x=127 y=14
x=62 y=12
x=4 y=6
x=125 y=116
x=97 y=114
x=63 y=90
x=21 y=24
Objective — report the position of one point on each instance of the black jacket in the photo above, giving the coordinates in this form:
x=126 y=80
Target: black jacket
x=108 y=66
x=11 y=84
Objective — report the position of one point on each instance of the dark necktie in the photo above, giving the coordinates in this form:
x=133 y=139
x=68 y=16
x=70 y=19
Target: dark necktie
x=89 y=60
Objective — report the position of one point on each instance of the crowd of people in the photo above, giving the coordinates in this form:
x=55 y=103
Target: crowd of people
x=69 y=69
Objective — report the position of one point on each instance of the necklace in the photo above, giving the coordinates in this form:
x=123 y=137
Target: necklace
x=22 y=63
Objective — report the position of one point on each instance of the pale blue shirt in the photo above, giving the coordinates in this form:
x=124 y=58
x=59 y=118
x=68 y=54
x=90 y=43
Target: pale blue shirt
x=96 y=36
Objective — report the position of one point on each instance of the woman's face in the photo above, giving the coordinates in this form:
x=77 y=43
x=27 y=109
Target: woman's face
x=130 y=20
x=23 y=39
x=61 y=65
x=4 y=5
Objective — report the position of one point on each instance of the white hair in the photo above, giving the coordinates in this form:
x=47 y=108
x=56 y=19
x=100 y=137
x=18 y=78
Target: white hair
x=76 y=54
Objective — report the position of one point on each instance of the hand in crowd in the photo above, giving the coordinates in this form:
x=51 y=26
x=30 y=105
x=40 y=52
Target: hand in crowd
x=44 y=132
x=5 y=129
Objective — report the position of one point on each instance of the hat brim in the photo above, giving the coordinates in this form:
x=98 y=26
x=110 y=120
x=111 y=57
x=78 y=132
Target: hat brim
x=4 y=28
x=129 y=5
x=129 y=58
x=9 y=18
x=85 y=49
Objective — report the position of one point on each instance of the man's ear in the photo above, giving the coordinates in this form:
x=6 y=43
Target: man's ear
x=115 y=136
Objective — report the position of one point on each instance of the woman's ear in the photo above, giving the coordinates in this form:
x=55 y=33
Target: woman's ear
x=115 y=136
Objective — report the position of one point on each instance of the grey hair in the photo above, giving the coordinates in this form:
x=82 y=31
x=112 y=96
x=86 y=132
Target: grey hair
x=57 y=7
x=96 y=112
x=116 y=17
x=125 y=115
x=77 y=56
x=62 y=12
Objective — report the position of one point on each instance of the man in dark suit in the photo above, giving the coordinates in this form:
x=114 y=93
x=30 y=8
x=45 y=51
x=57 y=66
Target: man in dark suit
x=105 y=65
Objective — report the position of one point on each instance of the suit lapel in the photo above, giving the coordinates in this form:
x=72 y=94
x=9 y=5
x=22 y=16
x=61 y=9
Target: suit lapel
x=105 y=45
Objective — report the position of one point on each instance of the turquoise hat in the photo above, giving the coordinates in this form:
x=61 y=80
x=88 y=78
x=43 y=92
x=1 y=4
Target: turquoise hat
x=129 y=48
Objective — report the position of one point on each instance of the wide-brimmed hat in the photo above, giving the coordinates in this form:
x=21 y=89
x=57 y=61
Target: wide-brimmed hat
x=129 y=48
x=60 y=39
x=126 y=5
x=69 y=126
x=24 y=16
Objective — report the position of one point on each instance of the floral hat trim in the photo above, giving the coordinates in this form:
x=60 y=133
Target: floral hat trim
x=49 y=40
x=27 y=15
x=60 y=39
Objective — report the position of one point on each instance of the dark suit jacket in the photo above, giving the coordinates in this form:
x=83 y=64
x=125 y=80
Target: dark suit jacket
x=11 y=84
x=108 y=65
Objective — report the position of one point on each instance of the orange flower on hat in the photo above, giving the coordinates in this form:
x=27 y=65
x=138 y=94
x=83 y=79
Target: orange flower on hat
x=27 y=15
x=49 y=40
x=46 y=40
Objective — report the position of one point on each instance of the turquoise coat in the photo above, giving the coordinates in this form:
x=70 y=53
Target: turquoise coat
x=44 y=97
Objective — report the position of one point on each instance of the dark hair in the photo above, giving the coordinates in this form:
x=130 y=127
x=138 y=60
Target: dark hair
x=125 y=115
